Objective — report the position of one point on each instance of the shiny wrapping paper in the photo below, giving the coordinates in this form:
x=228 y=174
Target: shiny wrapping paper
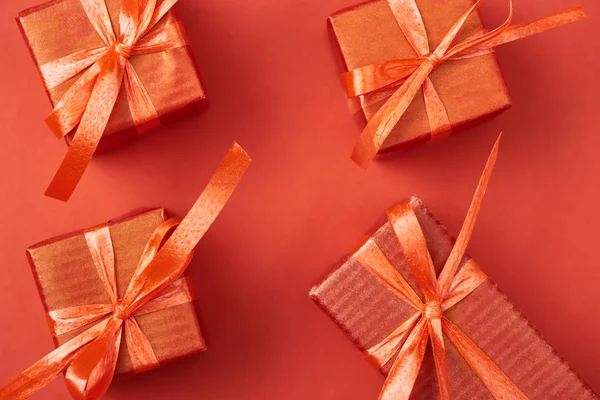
x=66 y=277
x=471 y=89
x=368 y=312
x=61 y=27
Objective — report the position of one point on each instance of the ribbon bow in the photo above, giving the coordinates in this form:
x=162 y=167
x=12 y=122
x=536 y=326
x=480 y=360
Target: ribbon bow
x=413 y=74
x=90 y=358
x=91 y=99
x=409 y=341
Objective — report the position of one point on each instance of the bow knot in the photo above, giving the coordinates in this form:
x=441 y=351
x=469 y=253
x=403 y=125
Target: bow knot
x=433 y=310
x=433 y=59
x=123 y=50
x=120 y=312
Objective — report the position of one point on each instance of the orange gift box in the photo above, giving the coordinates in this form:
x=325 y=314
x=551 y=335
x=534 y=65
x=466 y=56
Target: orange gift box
x=370 y=312
x=422 y=69
x=64 y=270
x=472 y=90
x=61 y=27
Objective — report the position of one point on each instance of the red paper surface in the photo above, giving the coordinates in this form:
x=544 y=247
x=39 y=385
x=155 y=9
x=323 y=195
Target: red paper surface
x=274 y=84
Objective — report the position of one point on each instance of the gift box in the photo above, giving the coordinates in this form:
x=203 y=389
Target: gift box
x=421 y=69
x=369 y=312
x=116 y=297
x=112 y=70
x=472 y=90
x=66 y=276
x=425 y=313
x=60 y=28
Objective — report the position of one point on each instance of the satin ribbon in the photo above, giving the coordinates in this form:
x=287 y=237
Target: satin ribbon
x=399 y=81
x=409 y=341
x=88 y=104
x=90 y=358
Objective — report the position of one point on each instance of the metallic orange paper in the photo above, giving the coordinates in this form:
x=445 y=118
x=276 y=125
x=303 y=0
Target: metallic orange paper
x=158 y=75
x=64 y=271
x=412 y=286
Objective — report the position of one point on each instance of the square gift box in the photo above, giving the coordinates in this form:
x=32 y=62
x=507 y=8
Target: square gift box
x=60 y=28
x=471 y=89
x=66 y=277
x=368 y=311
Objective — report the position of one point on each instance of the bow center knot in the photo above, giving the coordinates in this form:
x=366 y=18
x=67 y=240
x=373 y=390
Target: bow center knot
x=433 y=59
x=120 y=312
x=123 y=50
x=433 y=310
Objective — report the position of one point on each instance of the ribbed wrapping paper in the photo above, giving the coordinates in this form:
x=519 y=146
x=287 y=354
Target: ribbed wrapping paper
x=60 y=27
x=368 y=312
x=472 y=90
x=66 y=277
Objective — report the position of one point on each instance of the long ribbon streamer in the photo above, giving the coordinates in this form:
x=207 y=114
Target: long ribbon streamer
x=88 y=104
x=90 y=358
x=404 y=78
x=409 y=341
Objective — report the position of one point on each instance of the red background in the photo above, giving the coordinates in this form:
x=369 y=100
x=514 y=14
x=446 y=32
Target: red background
x=273 y=84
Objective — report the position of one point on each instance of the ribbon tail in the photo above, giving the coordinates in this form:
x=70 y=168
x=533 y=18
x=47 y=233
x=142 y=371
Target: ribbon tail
x=381 y=125
x=458 y=251
x=89 y=133
x=142 y=109
x=522 y=31
x=439 y=356
x=498 y=384
x=44 y=371
x=404 y=372
x=172 y=259
x=139 y=347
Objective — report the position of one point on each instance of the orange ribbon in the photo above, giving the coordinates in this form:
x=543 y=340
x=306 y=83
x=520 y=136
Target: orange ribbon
x=88 y=104
x=90 y=358
x=372 y=82
x=441 y=293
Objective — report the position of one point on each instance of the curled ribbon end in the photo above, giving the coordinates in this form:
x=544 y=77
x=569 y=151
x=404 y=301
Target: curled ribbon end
x=57 y=194
x=54 y=125
x=580 y=13
x=235 y=147
x=362 y=157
